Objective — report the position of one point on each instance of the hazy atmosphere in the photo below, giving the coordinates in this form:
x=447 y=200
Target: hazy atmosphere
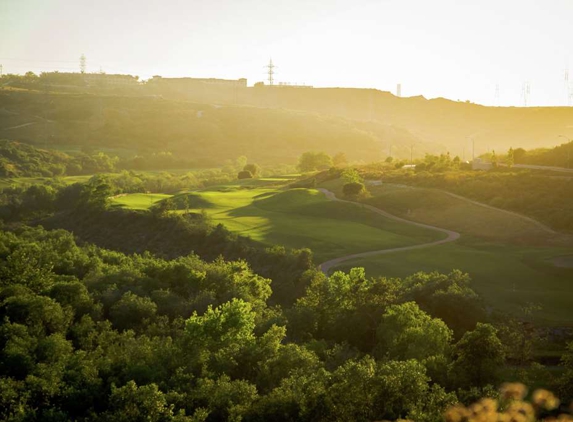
x=445 y=48
x=269 y=211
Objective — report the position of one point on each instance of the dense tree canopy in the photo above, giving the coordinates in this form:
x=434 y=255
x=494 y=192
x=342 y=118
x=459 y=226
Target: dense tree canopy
x=93 y=334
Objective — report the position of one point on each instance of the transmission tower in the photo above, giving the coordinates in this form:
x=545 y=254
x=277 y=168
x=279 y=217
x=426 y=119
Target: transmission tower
x=525 y=92
x=271 y=71
x=568 y=88
x=82 y=63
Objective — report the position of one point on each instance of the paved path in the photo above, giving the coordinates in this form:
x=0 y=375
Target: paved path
x=326 y=266
x=535 y=167
x=22 y=125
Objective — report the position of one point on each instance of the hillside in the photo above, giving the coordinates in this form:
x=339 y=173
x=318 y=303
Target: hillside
x=284 y=121
x=208 y=134
x=297 y=218
x=440 y=121
x=560 y=156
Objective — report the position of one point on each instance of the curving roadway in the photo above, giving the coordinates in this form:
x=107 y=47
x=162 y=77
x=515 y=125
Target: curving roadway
x=326 y=266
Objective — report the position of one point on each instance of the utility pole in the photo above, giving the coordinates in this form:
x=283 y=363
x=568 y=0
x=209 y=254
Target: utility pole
x=271 y=72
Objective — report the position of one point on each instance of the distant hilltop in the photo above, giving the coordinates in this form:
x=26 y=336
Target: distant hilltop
x=192 y=82
x=458 y=126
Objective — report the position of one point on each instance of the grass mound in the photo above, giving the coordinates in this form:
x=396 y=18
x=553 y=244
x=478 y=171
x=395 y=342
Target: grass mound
x=138 y=201
x=290 y=200
x=190 y=200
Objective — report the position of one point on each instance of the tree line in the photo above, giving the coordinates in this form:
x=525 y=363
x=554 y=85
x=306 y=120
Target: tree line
x=120 y=333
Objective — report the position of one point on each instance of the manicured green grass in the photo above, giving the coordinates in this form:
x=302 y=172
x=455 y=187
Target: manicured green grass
x=508 y=258
x=138 y=201
x=440 y=209
x=506 y=276
x=506 y=272
x=300 y=218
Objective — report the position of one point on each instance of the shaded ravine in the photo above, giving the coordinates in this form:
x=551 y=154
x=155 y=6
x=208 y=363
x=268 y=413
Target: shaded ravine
x=326 y=266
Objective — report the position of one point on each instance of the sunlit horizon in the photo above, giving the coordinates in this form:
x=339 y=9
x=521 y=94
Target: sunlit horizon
x=482 y=53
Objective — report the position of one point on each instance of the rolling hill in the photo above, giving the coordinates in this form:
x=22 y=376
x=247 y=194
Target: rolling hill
x=205 y=133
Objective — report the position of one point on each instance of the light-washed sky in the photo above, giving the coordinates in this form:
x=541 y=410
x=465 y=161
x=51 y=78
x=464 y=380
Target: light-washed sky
x=458 y=49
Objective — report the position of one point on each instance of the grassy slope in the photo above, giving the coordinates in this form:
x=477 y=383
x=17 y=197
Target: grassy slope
x=506 y=272
x=507 y=258
x=195 y=131
x=304 y=218
x=139 y=201
x=296 y=218
x=440 y=209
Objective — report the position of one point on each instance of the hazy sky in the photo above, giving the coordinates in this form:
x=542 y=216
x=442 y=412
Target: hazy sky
x=458 y=49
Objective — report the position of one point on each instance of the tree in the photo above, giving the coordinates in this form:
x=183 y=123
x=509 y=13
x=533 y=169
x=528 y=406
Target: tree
x=312 y=161
x=253 y=169
x=494 y=159
x=518 y=155
x=407 y=332
x=510 y=160
x=131 y=311
x=131 y=403
x=448 y=297
x=354 y=189
x=95 y=194
x=241 y=162
x=478 y=356
x=162 y=208
x=340 y=160
x=244 y=174
x=225 y=399
x=221 y=334
x=351 y=175
x=566 y=380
